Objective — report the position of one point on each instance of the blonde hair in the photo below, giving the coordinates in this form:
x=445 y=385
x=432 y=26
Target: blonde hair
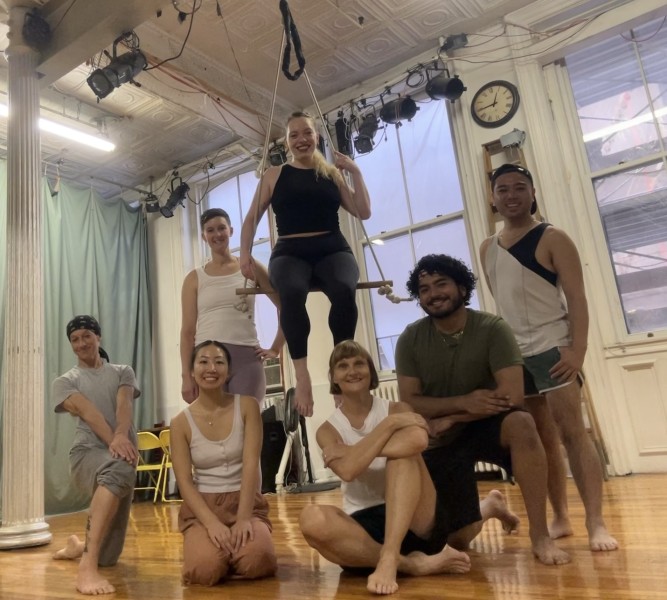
x=323 y=168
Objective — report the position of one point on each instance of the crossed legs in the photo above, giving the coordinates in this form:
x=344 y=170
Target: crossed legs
x=410 y=505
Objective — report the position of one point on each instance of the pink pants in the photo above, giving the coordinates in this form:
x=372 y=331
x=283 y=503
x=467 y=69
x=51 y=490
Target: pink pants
x=206 y=564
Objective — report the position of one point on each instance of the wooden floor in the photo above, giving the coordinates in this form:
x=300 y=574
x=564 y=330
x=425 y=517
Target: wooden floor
x=502 y=566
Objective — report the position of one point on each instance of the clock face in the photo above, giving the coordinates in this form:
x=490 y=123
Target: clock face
x=495 y=103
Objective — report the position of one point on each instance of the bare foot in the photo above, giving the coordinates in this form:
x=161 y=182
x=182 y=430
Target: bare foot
x=494 y=506
x=383 y=579
x=72 y=550
x=89 y=581
x=560 y=527
x=548 y=553
x=448 y=560
x=601 y=540
x=303 y=397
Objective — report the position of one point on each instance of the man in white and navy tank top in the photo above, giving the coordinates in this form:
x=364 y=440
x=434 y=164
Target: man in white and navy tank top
x=535 y=275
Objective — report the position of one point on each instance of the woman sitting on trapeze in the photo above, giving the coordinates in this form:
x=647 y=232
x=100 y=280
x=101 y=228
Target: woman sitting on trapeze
x=311 y=251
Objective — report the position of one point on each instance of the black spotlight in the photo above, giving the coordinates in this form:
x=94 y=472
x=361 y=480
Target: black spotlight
x=364 y=142
x=343 y=138
x=277 y=155
x=120 y=70
x=399 y=110
x=151 y=203
x=444 y=87
x=175 y=198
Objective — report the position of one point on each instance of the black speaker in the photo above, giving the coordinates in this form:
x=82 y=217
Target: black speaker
x=273 y=446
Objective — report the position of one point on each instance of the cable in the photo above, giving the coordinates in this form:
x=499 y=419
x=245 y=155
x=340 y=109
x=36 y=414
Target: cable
x=63 y=17
x=185 y=41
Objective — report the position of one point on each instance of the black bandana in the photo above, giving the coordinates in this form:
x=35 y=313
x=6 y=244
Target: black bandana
x=83 y=322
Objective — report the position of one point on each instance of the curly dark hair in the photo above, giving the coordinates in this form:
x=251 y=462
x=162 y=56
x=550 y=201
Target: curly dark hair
x=442 y=264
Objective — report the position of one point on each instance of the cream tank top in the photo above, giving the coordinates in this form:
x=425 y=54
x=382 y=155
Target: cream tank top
x=217 y=317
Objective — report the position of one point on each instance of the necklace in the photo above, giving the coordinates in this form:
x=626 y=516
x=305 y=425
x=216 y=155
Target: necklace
x=210 y=417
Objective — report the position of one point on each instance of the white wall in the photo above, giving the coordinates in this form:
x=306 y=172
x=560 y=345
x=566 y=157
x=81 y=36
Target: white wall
x=628 y=381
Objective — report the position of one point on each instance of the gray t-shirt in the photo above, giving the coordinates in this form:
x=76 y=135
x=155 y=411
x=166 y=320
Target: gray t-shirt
x=100 y=387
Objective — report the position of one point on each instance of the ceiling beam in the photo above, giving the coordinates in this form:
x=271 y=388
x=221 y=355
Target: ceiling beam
x=90 y=26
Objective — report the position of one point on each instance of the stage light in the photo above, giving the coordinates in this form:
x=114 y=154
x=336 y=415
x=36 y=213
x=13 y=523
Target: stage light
x=120 y=70
x=364 y=142
x=277 y=155
x=151 y=203
x=343 y=138
x=176 y=197
x=398 y=110
x=444 y=87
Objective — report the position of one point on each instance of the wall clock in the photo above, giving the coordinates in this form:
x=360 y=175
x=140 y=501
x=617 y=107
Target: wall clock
x=495 y=103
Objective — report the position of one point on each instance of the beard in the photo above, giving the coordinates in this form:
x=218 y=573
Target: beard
x=456 y=303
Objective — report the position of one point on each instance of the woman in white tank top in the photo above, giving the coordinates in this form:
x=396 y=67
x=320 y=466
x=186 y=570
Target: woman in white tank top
x=211 y=310
x=375 y=447
x=215 y=445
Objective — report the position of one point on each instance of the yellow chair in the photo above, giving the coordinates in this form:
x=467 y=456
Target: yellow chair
x=147 y=443
x=165 y=440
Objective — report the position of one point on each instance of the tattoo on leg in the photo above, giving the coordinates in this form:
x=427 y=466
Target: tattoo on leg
x=85 y=546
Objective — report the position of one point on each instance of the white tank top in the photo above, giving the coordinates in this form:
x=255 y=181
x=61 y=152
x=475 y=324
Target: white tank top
x=217 y=465
x=368 y=489
x=217 y=317
x=532 y=306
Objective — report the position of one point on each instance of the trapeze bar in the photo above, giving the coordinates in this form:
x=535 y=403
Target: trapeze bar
x=362 y=285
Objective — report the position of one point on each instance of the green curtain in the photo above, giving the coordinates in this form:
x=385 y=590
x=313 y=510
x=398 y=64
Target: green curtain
x=95 y=262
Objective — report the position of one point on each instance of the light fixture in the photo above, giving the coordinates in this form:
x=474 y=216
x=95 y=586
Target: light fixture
x=176 y=197
x=444 y=87
x=151 y=203
x=364 y=142
x=277 y=155
x=69 y=133
x=343 y=138
x=403 y=108
x=122 y=69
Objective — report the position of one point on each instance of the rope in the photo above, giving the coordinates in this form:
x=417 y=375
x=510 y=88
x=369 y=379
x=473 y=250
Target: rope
x=291 y=34
x=242 y=305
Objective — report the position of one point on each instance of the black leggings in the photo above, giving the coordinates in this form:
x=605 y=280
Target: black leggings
x=299 y=264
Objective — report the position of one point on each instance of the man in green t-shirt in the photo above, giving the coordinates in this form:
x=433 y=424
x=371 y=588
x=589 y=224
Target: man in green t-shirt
x=461 y=369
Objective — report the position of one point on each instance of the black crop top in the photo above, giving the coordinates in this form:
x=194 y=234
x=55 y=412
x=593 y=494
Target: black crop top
x=304 y=203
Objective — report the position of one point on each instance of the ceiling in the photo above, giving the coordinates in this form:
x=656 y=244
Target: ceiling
x=208 y=109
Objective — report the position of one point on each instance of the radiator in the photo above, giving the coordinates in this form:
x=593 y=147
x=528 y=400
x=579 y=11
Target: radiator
x=388 y=389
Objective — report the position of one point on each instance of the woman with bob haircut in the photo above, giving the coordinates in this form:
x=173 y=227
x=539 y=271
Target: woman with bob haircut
x=215 y=444
x=389 y=520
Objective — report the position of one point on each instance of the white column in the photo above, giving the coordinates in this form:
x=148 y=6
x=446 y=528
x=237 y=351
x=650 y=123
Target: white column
x=23 y=354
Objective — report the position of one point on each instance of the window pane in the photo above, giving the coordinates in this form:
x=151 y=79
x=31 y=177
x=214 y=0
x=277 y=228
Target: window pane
x=612 y=103
x=266 y=315
x=633 y=208
x=430 y=163
x=384 y=179
x=395 y=258
x=248 y=184
x=651 y=50
x=612 y=83
x=226 y=196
